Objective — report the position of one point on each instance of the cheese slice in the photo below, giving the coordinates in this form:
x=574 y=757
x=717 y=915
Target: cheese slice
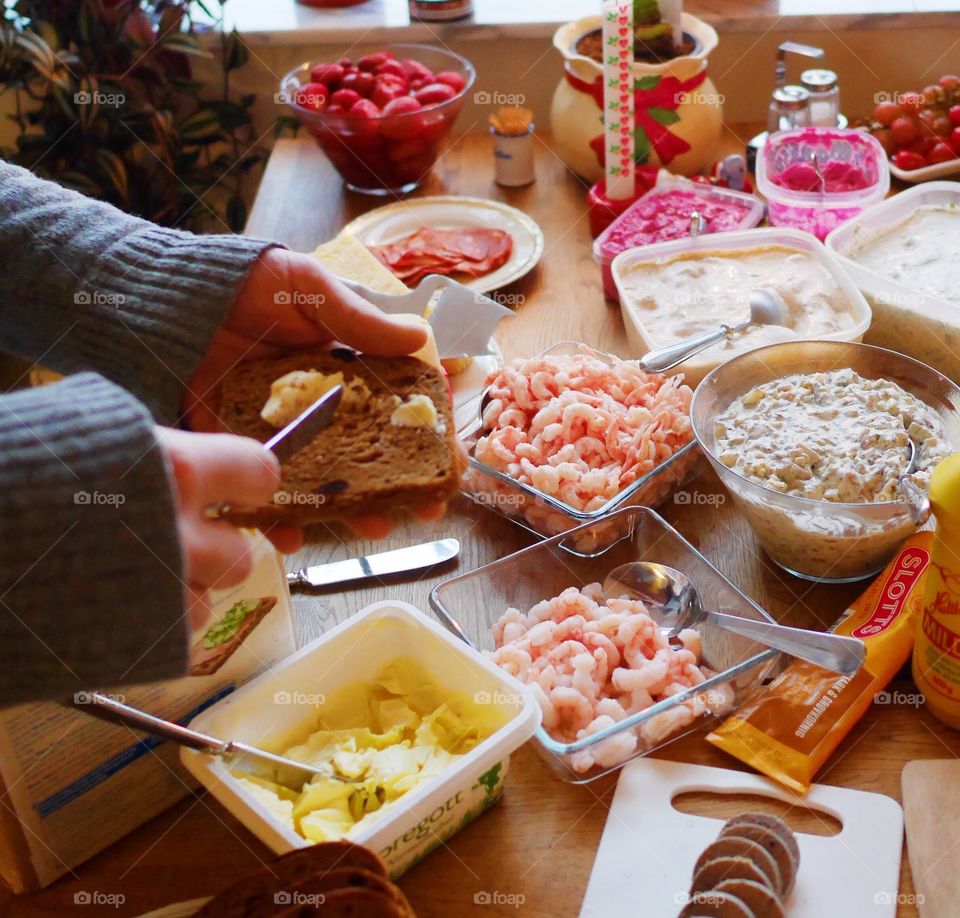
x=347 y=257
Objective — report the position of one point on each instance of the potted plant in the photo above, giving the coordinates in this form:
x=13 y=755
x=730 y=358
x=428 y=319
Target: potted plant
x=678 y=109
x=103 y=97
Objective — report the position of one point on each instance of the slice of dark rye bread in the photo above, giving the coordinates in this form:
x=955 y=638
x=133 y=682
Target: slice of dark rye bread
x=361 y=462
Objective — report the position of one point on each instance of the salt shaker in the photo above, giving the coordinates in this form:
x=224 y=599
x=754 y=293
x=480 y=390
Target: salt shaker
x=824 y=90
x=789 y=108
x=512 y=131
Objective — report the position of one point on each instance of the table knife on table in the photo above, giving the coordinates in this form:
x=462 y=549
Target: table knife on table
x=398 y=561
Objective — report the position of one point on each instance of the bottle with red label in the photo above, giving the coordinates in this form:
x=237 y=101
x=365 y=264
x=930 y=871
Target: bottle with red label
x=936 y=655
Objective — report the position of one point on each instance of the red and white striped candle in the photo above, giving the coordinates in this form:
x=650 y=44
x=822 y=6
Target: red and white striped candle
x=618 y=115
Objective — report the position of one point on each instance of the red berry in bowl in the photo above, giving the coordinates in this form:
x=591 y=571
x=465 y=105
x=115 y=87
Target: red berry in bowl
x=345 y=63
x=949 y=82
x=882 y=135
x=328 y=74
x=345 y=98
x=954 y=115
x=370 y=62
x=908 y=160
x=941 y=153
x=433 y=93
x=336 y=110
x=361 y=83
x=312 y=96
x=393 y=68
x=401 y=128
x=955 y=140
x=417 y=71
x=453 y=79
x=387 y=89
x=911 y=102
x=365 y=109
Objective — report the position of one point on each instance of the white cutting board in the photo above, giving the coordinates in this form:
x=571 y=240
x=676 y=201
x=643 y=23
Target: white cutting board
x=645 y=861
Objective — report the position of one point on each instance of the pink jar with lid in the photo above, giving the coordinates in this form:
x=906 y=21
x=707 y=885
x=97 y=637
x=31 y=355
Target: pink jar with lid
x=665 y=212
x=850 y=174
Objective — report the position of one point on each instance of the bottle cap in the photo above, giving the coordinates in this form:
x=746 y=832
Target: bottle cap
x=819 y=80
x=791 y=98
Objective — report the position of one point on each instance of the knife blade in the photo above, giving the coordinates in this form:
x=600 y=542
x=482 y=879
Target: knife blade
x=400 y=560
x=301 y=430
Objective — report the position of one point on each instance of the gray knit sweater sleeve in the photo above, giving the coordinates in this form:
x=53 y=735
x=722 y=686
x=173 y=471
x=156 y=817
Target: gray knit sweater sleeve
x=86 y=287
x=91 y=591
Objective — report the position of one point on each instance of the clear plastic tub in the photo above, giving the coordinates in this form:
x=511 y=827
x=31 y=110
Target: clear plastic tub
x=545 y=515
x=911 y=321
x=632 y=228
x=787 y=179
x=471 y=603
x=280 y=707
x=643 y=338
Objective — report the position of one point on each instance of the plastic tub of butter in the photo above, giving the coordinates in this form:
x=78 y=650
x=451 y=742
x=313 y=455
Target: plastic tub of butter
x=280 y=709
x=902 y=255
x=674 y=290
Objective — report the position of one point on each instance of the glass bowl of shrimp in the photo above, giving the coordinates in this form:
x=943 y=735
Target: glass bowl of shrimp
x=568 y=436
x=612 y=686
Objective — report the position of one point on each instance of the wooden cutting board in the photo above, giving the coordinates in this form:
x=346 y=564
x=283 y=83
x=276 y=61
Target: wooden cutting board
x=931 y=811
x=648 y=850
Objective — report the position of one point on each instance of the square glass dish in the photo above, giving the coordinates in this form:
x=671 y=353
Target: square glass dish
x=545 y=515
x=470 y=604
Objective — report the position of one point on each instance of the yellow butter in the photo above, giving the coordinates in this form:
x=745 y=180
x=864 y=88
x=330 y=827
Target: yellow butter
x=415 y=411
x=350 y=259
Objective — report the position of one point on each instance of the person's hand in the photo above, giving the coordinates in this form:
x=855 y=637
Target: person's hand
x=290 y=302
x=208 y=470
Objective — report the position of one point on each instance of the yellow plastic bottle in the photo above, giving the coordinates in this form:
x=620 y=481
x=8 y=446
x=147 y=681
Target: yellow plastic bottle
x=936 y=655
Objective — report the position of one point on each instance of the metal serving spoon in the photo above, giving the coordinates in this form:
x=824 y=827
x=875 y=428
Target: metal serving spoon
x=674 y=605
x=916 y=498
x=766 y=308
x=237 y=755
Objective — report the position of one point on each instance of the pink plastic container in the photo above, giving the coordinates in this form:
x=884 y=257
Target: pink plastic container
x=852 y=163
x=664 y=213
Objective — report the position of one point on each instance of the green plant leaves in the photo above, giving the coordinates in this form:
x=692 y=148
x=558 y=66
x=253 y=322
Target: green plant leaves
x=235 y=53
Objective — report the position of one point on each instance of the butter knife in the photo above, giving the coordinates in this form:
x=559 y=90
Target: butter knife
x=303 y=428
x=411 y=558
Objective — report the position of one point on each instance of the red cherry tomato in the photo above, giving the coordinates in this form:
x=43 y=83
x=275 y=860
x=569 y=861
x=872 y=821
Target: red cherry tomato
x=401 y=128
x=328 y=74
x=345 y=63
x=908 y=161
x=933 y=94
x=954 y=115
x=941 y=126
x=370 y=62
x=941 y=153
x=345 y=98
x=386 y=90
x=312 y=96
x=364 y=108
x=955 y=140
x=886 y=112
x=433 y=93
x=394 y=68
x=949 y=82
x=457 y=81
x=883 y=135
x=904 y=130
x=361 y=83
x=417 y=71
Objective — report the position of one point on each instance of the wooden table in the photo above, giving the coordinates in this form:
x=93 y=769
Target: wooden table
x=539 y=843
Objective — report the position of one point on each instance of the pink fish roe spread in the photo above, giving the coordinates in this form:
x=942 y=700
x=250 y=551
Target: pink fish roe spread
x=591 y=662
x=661 y=216
x=581 y=429
x=838 y=176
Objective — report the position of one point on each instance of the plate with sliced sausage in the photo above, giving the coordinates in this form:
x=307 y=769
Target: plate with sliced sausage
x=481 y=243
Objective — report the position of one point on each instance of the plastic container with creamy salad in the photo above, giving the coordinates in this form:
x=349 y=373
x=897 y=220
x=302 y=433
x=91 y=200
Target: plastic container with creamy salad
x=903 y=256
x=674 y=290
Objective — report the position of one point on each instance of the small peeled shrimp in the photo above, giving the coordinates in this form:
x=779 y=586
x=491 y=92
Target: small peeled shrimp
x=573 y=710
x=614 y=749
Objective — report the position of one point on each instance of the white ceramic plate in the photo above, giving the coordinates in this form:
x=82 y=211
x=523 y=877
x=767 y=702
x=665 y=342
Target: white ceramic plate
x=467 y=387
x=927 y=173
x=396 y=221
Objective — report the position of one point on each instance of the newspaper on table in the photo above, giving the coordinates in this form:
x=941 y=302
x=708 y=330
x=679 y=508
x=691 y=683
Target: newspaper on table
x=71 y=785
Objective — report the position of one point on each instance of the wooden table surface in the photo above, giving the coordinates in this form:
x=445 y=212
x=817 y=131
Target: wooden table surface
x=539 y=843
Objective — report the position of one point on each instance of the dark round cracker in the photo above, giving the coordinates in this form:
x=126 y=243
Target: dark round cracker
x=719 y=869
x=774 y=823
x=773 y=843
x=760 y=899
x=720 y=904
x=735 y=846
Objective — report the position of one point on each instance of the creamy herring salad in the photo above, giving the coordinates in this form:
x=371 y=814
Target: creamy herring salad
x=831 y=436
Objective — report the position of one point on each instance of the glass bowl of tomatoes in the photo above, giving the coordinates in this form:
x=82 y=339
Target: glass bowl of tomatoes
x=381 y=118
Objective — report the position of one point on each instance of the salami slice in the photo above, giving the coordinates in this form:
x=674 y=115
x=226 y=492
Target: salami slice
x=471 y=252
